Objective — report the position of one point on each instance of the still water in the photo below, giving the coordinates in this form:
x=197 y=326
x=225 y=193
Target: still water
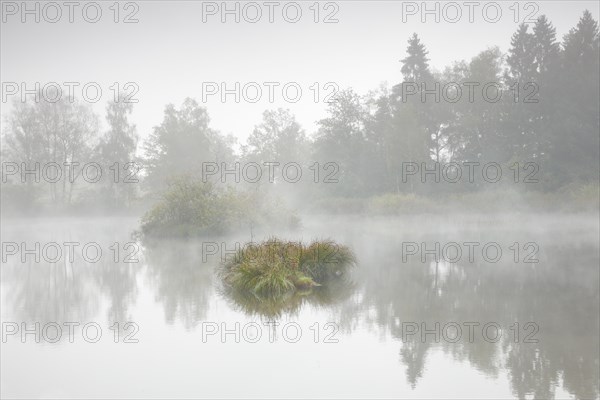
x=510 y=309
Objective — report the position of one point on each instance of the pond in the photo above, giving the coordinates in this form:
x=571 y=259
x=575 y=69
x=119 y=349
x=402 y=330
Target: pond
x=502 y=306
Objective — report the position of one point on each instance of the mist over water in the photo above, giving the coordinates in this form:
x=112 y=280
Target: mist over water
x=171 y=293
x=422 y=221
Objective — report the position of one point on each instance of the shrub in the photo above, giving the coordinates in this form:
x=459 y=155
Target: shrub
x=191 y=208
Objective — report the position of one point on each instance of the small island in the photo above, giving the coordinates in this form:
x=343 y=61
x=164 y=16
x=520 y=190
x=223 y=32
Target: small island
x=276 y=268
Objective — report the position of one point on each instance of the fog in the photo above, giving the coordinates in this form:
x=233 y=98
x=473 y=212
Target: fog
x=423 y=222
x=171 y=293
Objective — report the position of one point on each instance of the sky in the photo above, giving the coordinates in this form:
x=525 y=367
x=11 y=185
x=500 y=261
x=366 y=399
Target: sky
x=180 y=49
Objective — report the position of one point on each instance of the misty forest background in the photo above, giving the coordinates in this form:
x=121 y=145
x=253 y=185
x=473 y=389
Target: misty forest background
x=368 y=137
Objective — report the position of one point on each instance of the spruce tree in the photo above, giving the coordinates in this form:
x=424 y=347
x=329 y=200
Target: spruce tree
x=546 y=48
x=521 y=55
x=576 y=143
x=415 y=67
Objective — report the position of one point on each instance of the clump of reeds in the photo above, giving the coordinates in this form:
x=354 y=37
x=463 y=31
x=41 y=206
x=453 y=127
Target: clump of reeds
x=277 y=268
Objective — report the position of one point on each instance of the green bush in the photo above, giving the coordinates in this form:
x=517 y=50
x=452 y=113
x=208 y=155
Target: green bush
x=191 y=208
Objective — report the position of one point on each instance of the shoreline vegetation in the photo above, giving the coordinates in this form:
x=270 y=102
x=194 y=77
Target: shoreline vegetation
x=158 y=221
x=190 y=208
x=364 y=155
x=582 y=198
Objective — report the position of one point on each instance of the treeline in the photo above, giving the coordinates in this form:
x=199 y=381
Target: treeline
x=534 y=110
x=548 y=114
x=54 y=156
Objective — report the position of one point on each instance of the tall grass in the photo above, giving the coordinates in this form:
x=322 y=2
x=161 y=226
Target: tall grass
x=276 y=268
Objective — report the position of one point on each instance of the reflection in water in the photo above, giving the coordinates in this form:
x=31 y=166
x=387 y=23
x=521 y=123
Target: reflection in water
x=181 y=280
x=560 y=294
x=47 y=291
x=273 y=308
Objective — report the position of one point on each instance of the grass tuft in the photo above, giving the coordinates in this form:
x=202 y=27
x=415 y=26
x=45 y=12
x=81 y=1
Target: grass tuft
x=277 y=268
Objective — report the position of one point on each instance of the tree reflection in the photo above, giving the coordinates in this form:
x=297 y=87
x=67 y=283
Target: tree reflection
x=182 y=279
x=68 y=290
x=559 y=294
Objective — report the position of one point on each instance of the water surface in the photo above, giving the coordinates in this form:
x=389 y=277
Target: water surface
x=354 y=339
